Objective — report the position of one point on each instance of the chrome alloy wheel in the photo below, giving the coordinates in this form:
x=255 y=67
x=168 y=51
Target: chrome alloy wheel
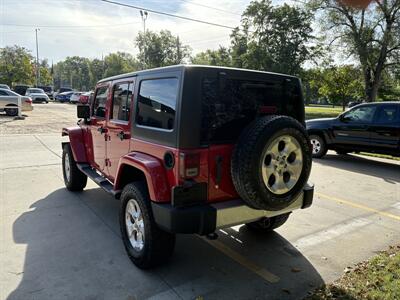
x=134 y=224
x=282 y=164
x=67 y=167
x=316 y=146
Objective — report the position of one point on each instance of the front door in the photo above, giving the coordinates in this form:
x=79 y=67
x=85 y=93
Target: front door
x=352 y=128
x=98 y=128
x=119 y=124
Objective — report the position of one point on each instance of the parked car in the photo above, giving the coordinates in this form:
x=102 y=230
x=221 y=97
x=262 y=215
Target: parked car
x=64 y=97
x=85 y=97
x=372 y=127
x=4 y=86
x=9 y=102
x=191 y=149
x=75 y=97
x=21 y=89
x=62 y=90
x=47 y=89
x=37 y=95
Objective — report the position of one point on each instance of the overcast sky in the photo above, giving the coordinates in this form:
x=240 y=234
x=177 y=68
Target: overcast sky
x=110 y=28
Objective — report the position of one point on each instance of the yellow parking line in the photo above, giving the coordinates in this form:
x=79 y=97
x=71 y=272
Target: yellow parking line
x=357 y=205
x=266 y=275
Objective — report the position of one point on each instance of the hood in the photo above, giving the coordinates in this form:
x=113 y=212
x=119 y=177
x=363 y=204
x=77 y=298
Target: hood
x=37 y=94
x=321 y=121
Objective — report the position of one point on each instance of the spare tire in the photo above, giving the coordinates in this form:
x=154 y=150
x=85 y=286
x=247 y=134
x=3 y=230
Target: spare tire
x=271 y=162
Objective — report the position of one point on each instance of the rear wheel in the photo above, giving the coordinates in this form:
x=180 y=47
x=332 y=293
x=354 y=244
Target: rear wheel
x=268 y=224
x=74 y=179
x=318 y=144
x=12 y=112
x=146 y=244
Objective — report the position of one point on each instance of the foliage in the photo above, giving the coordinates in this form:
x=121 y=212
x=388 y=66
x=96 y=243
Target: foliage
x=160 y=49
x=118 y=63
x=16 y=65
x=371 y=35
x=220 y=57
x=316 y=112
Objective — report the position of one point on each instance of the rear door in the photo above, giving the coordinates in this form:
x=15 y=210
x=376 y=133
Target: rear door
x=98 y=130
x=119 y=124
x=385 y=131
x=352 y=129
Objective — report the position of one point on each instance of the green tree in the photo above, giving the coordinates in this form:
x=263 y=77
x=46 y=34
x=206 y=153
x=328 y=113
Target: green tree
x=273 y=38
x=161 y=49
x=370 y=35
x=45 y=74
x=16 y=65
x=340 y=85
x=96 y=71
x=119 y=63
x=220 y=57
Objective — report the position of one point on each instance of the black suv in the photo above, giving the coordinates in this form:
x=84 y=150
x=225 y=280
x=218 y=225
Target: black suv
x=373 y=127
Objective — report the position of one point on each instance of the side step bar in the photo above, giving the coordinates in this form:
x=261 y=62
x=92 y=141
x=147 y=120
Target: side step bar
x=99 y=179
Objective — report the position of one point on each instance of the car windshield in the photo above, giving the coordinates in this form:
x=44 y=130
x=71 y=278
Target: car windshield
x=36 y=91
x=48 y=89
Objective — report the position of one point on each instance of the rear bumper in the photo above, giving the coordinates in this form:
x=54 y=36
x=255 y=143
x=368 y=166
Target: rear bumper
x=204 y=219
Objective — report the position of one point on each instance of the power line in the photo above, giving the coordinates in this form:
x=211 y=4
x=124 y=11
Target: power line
x=168 y=14
x=211 y=7
x=67 y=26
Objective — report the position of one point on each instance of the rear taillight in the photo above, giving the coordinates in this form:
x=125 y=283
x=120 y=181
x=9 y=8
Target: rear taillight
x=29 y=100
x=189 y=165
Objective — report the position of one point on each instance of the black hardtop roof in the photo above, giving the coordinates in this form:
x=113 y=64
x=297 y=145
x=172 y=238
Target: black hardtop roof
x=182 y=67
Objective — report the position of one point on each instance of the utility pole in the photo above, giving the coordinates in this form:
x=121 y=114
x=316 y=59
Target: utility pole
x=37 y=58
x=144 y=15
x=178 y=50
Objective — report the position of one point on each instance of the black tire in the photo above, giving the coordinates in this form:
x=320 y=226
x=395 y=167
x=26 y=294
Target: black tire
x=268 y=224
x=11 y=111
x=317 y=140
x=158 y=244
x=247 y=162
x=77 y=180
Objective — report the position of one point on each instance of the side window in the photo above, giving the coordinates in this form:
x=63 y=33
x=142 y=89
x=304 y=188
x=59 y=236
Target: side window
x=387 y=114
x=99 y=105
x=157 y=103
x=122 y=95
x=3 y=93
x=363 y=114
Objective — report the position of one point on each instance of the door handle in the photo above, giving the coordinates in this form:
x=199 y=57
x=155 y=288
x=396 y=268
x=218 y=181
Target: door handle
x=101 y=130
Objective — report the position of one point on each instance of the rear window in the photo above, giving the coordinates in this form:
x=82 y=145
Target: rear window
x=229 y=106
x=157 y=103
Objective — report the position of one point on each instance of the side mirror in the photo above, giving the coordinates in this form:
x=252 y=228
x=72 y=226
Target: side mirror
x=83 y=111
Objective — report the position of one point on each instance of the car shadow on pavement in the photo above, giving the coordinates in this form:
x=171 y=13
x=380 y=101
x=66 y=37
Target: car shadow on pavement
x=389 y=171
x=74 y=251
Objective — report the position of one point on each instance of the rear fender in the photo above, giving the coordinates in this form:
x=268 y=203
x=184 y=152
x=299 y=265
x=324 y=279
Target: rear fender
x=154 y=172
x=76 y=141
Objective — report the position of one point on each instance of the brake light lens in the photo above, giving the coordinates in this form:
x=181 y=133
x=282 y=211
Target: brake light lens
x=29 y=100
x=189 y=165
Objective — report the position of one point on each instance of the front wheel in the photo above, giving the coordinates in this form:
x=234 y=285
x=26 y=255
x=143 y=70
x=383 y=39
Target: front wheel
x=318 y=144
x=146 y=244
x=74 y=179
x=268 y=224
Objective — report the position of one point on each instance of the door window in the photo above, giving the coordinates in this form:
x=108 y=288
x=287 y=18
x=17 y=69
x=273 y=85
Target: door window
x=99 y=106
x=3 y=93
x=157 y=102
x=363 y=114
x=122 y=96
x=387 y=114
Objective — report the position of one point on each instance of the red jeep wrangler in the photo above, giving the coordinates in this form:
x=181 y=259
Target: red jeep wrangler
x=191 y=149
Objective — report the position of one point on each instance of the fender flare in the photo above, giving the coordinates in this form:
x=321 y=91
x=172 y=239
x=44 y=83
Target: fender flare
x=153 y=170
x=76 y=141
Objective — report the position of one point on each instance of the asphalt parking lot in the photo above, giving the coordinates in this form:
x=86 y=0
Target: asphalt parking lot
x=55 y=244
